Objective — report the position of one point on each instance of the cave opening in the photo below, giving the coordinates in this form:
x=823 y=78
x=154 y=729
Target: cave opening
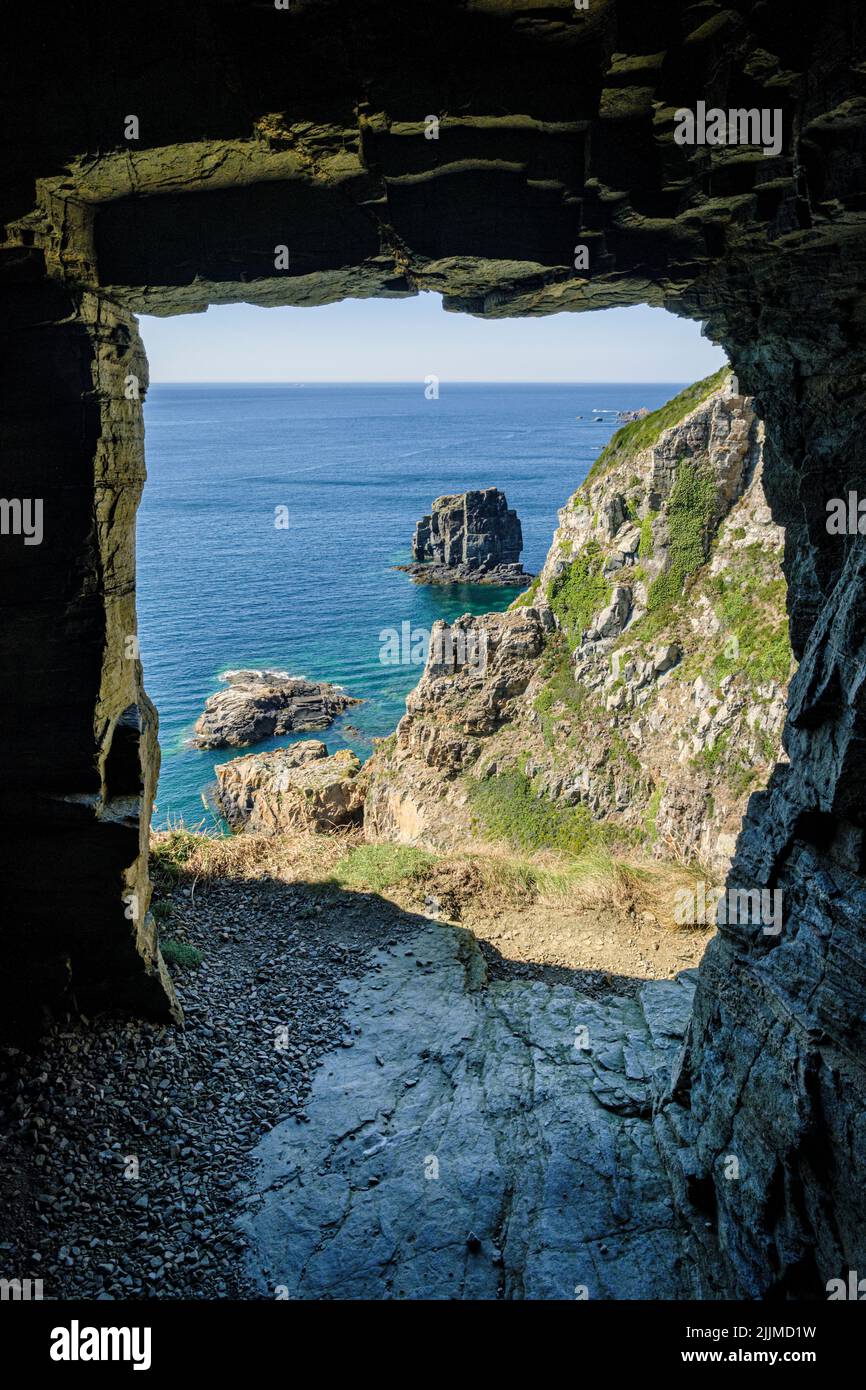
x=333 y=525
x=352 y=494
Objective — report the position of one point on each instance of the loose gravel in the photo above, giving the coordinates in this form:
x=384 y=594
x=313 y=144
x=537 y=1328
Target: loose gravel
x=122 y=1144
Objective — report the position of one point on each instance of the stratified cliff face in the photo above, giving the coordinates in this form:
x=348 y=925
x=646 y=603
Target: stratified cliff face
x=477 y=529
x=471 y=537
x=641 y=679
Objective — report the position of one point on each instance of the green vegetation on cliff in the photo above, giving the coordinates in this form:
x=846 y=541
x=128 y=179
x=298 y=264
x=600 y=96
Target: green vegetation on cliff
x=689 y=513
x=579 y=592
x=646 y=545
x=560 y=690
x=750 y=601
x=509 y=808
x=525 y=599
x=641 y=434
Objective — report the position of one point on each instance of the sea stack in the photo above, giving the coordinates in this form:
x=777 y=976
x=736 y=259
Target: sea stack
x=469 y=538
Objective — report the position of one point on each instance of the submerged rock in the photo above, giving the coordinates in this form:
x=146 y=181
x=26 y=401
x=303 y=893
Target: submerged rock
x=296 y=788
x=470 y=537
x=264 y=704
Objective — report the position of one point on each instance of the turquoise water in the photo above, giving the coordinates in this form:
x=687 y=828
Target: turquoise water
x=220 y=585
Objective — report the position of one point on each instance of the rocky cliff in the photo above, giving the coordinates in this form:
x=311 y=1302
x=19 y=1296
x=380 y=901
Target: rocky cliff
x=471 y=537
x=637 y=690
x=293 y=788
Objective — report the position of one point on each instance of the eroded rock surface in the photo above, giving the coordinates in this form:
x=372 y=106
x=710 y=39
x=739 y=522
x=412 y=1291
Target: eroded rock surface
x=470 y=538
x=263 y=704
x=603 y=685
x=416 y=791
x=294 y=788
x=476 y=1140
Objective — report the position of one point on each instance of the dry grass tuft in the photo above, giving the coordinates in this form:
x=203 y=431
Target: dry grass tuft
x=627 y=887
x=181 y=855
x=484 y=881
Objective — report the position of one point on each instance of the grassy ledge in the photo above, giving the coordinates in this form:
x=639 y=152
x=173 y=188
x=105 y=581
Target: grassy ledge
x=642 y=434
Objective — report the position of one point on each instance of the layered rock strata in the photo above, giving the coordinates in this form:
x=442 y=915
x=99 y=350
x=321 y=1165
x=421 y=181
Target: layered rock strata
x=264 y=704
x=469 y=538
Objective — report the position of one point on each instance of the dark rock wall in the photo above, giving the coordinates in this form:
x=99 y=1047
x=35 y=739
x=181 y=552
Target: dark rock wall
x=476 y=529
x=773 y=1075
x=80 y=755
x=305 y=128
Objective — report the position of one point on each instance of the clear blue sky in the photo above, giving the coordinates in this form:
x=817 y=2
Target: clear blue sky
x=410 y=339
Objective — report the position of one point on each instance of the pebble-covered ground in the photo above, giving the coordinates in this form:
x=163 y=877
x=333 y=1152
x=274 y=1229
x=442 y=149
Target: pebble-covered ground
x=122 y=1142
x=126 y=1148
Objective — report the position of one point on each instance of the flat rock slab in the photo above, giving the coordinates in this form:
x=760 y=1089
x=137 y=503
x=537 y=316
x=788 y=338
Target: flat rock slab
x=506 y=576
x=474 y=1141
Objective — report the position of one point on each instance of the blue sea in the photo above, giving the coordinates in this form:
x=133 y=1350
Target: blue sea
x=350 y=468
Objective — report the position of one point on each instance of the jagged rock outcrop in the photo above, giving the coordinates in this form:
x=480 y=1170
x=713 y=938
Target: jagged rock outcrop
x=296 y=788
x=264 y=704
x=415 y=790
x=471 y=537
x=655 y=690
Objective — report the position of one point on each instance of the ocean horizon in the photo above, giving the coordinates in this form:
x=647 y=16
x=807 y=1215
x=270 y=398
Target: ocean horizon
x=274 y=515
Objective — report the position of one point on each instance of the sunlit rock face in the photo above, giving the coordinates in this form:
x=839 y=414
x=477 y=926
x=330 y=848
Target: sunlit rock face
x=520 y=161
x=469 y=537
x=661 y=738
x=295 y=788
x=477 y=529
x=255 y=705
